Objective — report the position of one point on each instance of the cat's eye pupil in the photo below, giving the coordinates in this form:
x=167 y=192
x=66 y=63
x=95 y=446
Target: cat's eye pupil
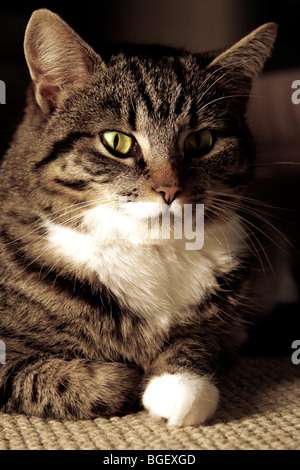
x=199 y=143
x=197 y=140
x=116 y=141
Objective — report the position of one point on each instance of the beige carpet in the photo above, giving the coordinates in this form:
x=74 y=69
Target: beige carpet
x=260 y=409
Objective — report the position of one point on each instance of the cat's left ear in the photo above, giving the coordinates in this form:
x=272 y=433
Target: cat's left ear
x=237 y=67
x=58 y=59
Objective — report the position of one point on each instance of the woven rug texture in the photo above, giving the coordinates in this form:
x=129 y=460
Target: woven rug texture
x=259 y=410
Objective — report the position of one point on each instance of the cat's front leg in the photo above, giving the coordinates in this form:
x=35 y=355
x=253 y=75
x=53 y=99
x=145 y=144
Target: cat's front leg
x=178 y=388
x=68 y=389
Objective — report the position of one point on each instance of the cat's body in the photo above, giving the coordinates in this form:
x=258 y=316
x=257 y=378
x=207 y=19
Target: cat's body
x=95 y=324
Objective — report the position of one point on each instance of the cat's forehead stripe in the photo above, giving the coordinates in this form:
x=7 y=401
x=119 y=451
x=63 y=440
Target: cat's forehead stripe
x=141 y=86
x=161 y=89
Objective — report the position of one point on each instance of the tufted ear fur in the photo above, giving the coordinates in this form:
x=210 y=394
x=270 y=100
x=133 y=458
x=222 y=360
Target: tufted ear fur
x=237 y=67
x=56 y=56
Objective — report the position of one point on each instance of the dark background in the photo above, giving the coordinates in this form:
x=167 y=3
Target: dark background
x=197 y=25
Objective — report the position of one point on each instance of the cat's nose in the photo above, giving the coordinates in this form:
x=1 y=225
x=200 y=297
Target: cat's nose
x=168 y=192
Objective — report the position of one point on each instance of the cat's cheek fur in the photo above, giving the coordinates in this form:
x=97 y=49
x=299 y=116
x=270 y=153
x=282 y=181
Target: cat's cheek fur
x=184 y=399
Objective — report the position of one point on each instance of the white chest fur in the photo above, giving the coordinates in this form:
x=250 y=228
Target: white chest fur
x=159 y=280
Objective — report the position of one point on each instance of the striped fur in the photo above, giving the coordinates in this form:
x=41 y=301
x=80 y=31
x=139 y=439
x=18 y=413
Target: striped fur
x=90 y=320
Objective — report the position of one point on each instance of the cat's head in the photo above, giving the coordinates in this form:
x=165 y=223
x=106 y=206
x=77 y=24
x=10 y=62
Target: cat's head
x=114 y=138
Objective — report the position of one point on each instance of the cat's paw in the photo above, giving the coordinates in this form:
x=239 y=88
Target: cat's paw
x=183 y=399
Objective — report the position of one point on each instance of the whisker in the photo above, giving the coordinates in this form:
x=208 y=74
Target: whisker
x=223 y=98
x=259 y=229
x=253 y=211
x=249 y=201
x=256 y=253
x=252 y=234
x=274 y=163
x=219 y=78
x=74 y=207
x=210 y=231
x=225 y=238
x=237 y=64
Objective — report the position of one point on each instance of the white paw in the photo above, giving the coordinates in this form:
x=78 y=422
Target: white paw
x=183 y=399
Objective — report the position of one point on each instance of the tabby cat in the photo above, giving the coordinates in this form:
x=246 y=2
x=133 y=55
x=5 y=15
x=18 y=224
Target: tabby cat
x=98 y=317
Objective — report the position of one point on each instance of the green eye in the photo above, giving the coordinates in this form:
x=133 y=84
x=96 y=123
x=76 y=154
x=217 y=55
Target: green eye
x=117 y=141
x=199 y=143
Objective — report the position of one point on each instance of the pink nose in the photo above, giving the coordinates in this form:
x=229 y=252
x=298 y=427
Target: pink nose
x=169 y=192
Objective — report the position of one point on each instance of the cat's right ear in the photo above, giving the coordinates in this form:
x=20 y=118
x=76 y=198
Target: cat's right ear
x=58 y=59
x=238 y=66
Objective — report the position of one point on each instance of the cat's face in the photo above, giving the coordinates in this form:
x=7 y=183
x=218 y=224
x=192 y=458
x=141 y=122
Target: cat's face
x=122 y=138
